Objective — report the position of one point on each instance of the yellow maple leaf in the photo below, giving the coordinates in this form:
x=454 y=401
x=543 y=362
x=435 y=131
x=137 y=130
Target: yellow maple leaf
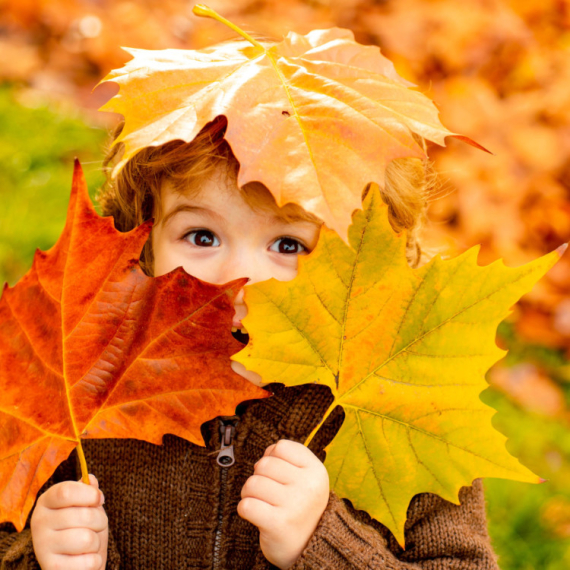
x=314 y=118
x=404 y=352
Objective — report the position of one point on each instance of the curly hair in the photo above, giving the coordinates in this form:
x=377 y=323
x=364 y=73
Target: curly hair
x=134 y=195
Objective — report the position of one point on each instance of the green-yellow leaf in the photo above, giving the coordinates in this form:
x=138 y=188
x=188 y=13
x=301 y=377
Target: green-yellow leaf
x=404 y=352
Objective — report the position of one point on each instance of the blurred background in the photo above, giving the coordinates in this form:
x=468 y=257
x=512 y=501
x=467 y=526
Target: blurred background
x=499 y=71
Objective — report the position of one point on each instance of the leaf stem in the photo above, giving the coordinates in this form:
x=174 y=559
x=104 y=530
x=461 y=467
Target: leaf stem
x=314 y=432
x=84 y=470
x=207 y=12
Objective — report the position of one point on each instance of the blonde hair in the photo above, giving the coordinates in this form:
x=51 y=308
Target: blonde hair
x=134 y=195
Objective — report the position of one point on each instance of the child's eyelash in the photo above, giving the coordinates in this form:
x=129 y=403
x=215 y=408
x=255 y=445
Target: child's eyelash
x=203 y=237
x=208 y=238
x=303 y=247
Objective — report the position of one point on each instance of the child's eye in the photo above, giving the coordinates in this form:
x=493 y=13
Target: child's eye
x=287 y=245
x=203 y=238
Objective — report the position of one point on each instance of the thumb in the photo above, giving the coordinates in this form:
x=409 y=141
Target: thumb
x=94 y=483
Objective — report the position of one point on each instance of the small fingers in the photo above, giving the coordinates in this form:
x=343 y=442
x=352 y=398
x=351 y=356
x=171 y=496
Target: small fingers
x=75 y=541
x=95 y=483
x=258 y=513
x=277 y=469
x=71 y=494
x=92 y=518
x=81 y=562
x=291 y=451
x=264 y=489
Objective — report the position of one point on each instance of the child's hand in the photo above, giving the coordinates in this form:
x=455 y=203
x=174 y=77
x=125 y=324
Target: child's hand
x=285 y=498
x=69 y=527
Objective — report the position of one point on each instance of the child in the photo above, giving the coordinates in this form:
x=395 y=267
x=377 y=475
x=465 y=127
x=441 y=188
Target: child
x=182 y=506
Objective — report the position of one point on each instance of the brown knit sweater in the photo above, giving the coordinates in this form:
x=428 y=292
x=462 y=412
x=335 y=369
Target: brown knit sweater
x=173 y=507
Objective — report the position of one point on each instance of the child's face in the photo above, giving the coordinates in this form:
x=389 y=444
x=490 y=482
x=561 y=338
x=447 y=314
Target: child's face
x=217 y=236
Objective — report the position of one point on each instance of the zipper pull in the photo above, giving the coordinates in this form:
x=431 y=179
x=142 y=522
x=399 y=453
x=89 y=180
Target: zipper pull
x=226 y=453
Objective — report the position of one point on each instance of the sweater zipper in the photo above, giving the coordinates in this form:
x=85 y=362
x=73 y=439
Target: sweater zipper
x=224 y=459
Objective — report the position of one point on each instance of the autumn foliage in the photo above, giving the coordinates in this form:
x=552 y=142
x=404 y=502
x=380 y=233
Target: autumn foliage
x=499 y=74
x=90 y=347
x=404 y=352
x=327 y=117
x=498 y=71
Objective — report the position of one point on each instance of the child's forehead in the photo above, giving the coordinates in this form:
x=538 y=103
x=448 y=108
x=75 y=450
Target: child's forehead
x=218 y=191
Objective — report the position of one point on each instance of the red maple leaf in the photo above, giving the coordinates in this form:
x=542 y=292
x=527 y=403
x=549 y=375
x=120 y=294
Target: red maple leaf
x=91 y=347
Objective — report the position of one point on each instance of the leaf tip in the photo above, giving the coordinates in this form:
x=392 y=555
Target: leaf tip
x=561 y=249
x=541 y=480
x=401 y=539
x=472 y=143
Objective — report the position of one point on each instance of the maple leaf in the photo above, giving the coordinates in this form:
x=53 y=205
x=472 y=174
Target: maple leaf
x=314 y=117
x=90 y=347
x=404 y=352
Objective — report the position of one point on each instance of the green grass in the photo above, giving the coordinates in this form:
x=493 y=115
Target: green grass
x=522 y=535
x=37 y=147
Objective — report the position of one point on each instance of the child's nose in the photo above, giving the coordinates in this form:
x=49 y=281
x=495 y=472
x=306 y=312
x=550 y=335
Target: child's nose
x=245 y=265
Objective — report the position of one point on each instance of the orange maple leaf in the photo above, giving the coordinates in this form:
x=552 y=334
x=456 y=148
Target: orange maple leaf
x=315 y=118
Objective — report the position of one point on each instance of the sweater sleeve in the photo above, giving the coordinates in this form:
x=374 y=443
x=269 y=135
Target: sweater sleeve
x=439 y=535
x=16 y=550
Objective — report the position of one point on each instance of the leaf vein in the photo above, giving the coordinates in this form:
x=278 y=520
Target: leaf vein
x=155 y=340
x=423 y=432
x=59 y=374
x=373 y=467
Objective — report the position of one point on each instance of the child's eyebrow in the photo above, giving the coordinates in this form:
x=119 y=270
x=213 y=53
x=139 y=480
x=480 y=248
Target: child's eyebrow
x=292 y=218
x=191 y=208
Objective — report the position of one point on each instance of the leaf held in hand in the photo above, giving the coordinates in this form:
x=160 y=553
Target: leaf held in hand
x=90 y=347
x=314 y=117
x=404 y=352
